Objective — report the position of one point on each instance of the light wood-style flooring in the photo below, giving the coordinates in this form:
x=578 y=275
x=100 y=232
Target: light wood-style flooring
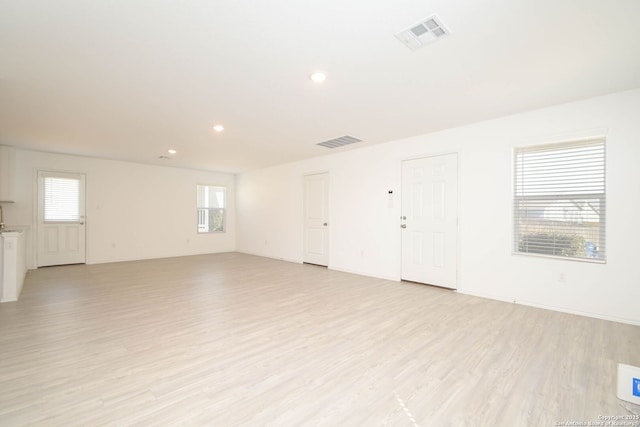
x=238 y=340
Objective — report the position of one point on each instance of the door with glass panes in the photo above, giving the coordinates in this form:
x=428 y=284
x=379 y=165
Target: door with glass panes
x=61 y=218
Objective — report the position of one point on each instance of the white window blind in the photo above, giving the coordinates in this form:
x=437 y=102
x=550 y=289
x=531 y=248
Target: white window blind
x=559 y=200
x=61 y=199
x=211 y=208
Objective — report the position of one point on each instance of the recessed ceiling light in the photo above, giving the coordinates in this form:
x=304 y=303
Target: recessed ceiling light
x=218 y=128
x=318 y=76
x=172 y=151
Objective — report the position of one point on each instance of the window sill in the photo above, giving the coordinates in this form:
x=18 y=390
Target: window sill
x=561 y=258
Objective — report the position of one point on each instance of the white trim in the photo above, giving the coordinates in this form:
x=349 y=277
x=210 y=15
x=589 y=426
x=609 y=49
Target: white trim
x=424 y=156
x=295 y=261
x=360 y=273
x=564 y=137
x=554 y=308
x=172 y=255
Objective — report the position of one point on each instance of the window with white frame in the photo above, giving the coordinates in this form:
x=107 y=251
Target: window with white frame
x=211 y=208
x=560 y=200
x=61 y=199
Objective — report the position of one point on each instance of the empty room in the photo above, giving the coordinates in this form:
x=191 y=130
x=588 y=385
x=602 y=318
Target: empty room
x=365 y=213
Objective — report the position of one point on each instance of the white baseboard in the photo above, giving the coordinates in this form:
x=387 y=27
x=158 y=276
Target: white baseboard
x=126 y=259
x=554 y=308
x=361 y=273
x=296 y=261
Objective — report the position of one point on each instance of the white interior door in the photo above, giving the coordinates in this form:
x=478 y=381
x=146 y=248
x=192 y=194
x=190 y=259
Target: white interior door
x=316 y=219
x=429 y=220
x=61 y=218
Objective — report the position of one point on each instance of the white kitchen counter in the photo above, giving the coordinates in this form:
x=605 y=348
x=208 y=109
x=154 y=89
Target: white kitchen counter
x=12 y=265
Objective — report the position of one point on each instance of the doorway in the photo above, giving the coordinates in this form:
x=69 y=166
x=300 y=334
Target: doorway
x=61 y=218
x=429 y=221
x=316 y=219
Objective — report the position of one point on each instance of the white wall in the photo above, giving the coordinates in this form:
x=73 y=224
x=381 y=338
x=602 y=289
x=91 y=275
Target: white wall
x=365 y=233
x=133 y=211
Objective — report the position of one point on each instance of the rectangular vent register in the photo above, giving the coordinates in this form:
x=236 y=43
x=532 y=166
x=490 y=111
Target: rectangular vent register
x=423 y=33
x=339 y=142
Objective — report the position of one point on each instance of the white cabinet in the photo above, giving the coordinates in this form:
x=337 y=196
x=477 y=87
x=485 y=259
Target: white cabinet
x=12 y=265
x=7 y=157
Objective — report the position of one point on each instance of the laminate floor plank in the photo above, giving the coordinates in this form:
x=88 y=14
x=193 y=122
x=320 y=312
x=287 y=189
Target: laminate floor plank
x=238 y=340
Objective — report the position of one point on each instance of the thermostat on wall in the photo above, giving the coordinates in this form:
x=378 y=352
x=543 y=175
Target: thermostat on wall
x=629 y=383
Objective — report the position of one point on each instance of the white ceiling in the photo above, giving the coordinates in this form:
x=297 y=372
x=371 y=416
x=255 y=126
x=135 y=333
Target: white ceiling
x=129 y=79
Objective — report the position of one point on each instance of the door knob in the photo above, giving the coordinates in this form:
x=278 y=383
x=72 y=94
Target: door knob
x=403 y=225
x=325 y=224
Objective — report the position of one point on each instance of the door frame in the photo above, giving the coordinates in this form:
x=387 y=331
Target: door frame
x=329 y=213
x=33 y=258
x=459 y=203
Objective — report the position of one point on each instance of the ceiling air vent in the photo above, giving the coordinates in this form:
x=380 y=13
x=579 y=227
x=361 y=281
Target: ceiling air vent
x=339 y=142
x=424 y=32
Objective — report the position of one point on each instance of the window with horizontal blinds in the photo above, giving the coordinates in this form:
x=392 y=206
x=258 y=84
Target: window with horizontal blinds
x=61 y=199
x=211 y=206
x=560 y=200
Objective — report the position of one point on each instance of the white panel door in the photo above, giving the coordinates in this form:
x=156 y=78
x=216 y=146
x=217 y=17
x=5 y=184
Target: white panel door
x=61 y=218
x=316 y=219
x=429 y=220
